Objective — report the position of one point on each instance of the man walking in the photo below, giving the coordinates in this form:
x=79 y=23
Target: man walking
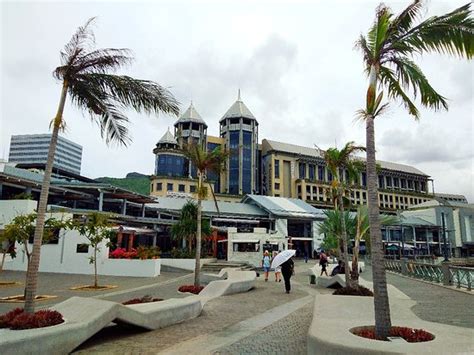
x=287 y=269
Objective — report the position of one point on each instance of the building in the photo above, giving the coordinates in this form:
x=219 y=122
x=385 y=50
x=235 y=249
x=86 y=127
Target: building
x=31 y=151
x=458 y=221
x=271 y=168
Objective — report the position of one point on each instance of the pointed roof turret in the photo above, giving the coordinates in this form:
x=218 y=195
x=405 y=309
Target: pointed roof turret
x=191 y=115
x=238 y=109
x=167 y=138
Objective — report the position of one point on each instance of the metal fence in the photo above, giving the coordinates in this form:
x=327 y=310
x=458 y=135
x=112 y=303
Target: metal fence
x=461 y=277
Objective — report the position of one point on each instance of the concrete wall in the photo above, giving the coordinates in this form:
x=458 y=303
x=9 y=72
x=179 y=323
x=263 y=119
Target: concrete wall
x=260 y=235
x=185 y=264
x=133 y=267
x=9 y=209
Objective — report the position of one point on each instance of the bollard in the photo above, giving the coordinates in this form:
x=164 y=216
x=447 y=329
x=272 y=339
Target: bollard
x=446 y=273
x=312 y=279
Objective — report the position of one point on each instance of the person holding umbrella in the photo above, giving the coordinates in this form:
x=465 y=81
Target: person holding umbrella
x=287 y=266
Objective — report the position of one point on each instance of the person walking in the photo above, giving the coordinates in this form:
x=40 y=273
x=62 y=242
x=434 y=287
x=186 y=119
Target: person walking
x=266 y=264
x=323 y=262
x=287 y=269
x=277 y=270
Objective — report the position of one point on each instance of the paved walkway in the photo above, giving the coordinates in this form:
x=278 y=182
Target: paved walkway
x=59 y=284
x=434 y=303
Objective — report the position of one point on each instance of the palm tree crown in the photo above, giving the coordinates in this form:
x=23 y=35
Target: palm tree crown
x=86 y=73
x=393 y=41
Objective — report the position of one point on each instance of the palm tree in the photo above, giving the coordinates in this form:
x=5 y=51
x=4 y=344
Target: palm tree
x=85 y=76
x=388 y=51
x=337 y=161
x=331 y=227
x=187 y=225
x=362 y=233
x=204 y=162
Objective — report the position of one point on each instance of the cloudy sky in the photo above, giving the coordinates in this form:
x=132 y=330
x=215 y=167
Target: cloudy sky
x=293 y=60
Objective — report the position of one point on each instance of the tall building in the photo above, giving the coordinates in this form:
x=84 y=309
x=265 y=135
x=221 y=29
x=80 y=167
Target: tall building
x=272 y=168
x=31 y=150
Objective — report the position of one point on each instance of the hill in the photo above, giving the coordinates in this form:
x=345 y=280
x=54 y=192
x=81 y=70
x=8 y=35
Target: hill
x=135 y=183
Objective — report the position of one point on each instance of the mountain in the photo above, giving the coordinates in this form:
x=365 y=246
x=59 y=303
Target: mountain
x=134 y=181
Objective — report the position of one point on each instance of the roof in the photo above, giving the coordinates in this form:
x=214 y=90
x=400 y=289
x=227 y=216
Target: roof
x=415 y=221
x=191 y=115
x=440 y=202
x=238 y=109
x=167 y=138
x=285 y=207
x=174 y=204
x=318 y=153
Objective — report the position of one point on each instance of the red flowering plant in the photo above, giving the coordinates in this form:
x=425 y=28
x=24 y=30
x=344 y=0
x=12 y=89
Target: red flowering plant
x=191 y=289
x=409 y=334
x=17 y=319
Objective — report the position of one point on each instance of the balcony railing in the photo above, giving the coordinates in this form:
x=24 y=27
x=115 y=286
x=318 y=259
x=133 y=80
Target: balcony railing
x=461 y=277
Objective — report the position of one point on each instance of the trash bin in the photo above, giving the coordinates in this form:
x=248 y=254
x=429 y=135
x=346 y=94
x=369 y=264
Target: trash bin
x=312 y=279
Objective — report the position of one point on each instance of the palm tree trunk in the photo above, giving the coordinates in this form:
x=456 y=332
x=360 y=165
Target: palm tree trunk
x=3 y=260
x=198 y=234
x=344 y=240
x=33 y=265
x=355 y=263
x=381 y=304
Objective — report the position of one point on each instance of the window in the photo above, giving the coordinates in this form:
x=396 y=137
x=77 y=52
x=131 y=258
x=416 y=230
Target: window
x=381 y=182
x=329 y=176
x=403 y=183
x=277 y=169
x=364 y=179
x=82 y=248
x=234 y=162
x=321 y=173
x=192 y=188
x=422 y=186
x=299 y=189
x=181 y=188
x=302 y=170
x=247 y=162
x=170 y=165
x=169 y=186
x=410 y=184
x=389 y=181
x=277 y=186
x=396 y=182
x=151 y=187
x=159 y=186
x=247 y=247
x=308 y=189
x=312 y=169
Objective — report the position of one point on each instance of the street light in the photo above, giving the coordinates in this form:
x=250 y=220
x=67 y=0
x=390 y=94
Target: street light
x=445 y=248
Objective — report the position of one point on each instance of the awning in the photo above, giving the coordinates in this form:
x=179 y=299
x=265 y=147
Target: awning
x=301 y=238
x=222 y=241
x=245 y=241
x=235 y=220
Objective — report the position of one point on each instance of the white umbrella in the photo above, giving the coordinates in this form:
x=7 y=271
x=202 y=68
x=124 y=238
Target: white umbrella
x=282 y=257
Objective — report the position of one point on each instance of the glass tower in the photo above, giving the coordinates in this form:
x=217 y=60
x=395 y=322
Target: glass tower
x=239 y=128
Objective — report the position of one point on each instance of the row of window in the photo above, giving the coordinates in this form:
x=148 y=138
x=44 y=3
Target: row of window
x=44 y=153
x=170 y=187
x=42 y=143
x=57 y=162
x=321 y=173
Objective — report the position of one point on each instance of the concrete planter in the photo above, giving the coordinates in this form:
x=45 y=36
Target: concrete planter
x=131 y=267
x=335 y=316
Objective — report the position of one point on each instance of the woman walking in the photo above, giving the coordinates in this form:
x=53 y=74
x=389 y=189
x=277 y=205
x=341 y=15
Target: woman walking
x=277 y=270
x=266 y=264
x=323 y=261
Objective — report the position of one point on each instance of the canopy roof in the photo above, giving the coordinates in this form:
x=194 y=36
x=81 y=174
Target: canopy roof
x=191 y=115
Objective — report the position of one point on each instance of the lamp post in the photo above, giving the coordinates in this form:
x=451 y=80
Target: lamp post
x=445 y=249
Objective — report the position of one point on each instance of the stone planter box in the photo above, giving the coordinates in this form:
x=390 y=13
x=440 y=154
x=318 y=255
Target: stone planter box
x=131 y=267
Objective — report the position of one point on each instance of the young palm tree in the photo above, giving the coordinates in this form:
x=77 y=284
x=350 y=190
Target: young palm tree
x=388 y=50
x=337 y=161
x=85 y=76
x=186 y=227
x=331 y=227
x=204 y=162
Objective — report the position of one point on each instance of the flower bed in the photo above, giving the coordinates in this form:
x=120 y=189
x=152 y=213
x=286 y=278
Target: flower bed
x=191 y=289
x=409 y=334
x=17 y=319
x=144 y=299
x=354 y=291
x=141 y=252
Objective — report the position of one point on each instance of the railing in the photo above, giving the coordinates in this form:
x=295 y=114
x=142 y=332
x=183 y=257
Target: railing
x=461 y=277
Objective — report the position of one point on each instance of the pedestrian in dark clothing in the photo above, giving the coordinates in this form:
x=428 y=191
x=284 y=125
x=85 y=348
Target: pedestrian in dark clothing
x=287 y=269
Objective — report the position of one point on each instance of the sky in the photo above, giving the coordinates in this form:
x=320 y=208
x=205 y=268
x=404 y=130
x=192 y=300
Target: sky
x=294 y=62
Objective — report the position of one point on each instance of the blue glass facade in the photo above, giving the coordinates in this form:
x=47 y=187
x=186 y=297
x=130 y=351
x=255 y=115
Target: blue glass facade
x=247 y=162
x=302 y=170
x=170 y=165
x=311 y=171
x=212 y=175
x=234 y=162
x=320 y=173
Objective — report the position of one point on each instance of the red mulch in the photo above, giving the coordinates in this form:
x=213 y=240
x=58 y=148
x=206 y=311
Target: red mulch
x=17 y=319
x=191 y=288
x=409 y=334
x=141 y=300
